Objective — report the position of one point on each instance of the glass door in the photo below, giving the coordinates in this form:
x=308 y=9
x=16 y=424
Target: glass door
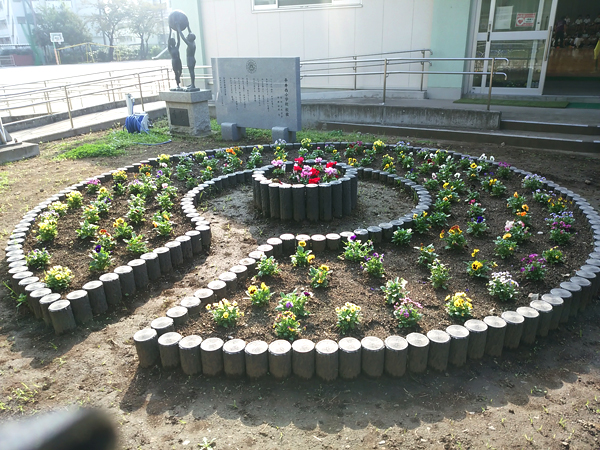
x=520 y=30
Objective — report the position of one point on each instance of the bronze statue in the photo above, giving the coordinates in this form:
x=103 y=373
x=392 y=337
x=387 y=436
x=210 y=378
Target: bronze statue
x=191 y=58
x=178 y=22
x=175 y=62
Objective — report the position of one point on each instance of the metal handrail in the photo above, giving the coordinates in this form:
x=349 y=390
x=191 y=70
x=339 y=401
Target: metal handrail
x=47 y=96
x=421 y=50
x=62 y=79
x=390 y=61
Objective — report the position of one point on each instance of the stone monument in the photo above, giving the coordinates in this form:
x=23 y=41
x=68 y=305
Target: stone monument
x=187 y=107
x=258 y=93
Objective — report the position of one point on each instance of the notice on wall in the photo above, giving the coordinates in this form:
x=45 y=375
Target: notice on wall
x=503 y=18
x=258 y=92
x=525 y=20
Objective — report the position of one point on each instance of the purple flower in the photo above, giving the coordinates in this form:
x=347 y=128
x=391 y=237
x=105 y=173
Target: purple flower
x=375 y=255
x=98 y=248
x=288 y=305
x=479 y=219
x=353 y=237
x=159 y=173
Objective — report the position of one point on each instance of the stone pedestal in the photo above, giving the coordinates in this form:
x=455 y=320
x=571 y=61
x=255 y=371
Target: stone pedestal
x=188 y=111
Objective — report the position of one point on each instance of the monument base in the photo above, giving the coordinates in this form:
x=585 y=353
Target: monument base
x=187 y=111
x=231 y=132
x=283 y=133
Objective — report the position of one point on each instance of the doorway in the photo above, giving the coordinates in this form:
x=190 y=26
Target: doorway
x=572 y=69
x=520 y=30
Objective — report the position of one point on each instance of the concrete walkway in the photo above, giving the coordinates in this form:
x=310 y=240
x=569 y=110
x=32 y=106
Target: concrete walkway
x=85 y=124
x=589 y=117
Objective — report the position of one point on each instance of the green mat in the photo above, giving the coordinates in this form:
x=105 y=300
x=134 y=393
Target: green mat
x=526 y=103
x=584 y=105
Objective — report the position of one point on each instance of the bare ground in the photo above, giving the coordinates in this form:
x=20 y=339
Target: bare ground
x=542 y=397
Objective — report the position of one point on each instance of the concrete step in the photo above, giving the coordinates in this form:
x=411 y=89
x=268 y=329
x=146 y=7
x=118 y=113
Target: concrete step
x=517 y=138
x=544 y=127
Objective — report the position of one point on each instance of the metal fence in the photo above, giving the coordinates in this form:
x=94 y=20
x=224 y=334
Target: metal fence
x=70 y=93
x=55 y=96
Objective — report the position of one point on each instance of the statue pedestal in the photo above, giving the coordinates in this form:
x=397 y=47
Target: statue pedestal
x=188 y=111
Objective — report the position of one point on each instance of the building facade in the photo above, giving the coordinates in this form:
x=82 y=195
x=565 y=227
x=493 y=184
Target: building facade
x=457 y=34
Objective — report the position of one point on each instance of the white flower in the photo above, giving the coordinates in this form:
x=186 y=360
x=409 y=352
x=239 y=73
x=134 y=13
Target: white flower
x=478 y=168
x=492 y=159
x=457 y=175
x=482 y=157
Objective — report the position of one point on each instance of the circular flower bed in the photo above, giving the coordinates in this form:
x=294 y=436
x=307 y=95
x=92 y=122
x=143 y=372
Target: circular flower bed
x=466 y=202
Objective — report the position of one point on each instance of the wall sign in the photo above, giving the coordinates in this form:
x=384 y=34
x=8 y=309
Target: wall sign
x=525 y=20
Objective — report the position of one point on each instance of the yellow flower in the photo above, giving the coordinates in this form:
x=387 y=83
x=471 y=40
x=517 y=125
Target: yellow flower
x=424 y=213
x=445 y=199
x=320 y=281
x=442 y=234
x=473 y=166
x=334 y=151
x=507 y=236
x=324 y=267
x=252 y=289
x=302 y=244
x=263 y=286
x=476 y=265
x=225 y=315
x=208 y=307
x=58 y=277
x=474 y=253
x=515 y=195
x=310 y=258
x=525 y=207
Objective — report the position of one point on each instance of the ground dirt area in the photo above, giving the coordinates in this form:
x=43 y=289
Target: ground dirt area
x=543 y=397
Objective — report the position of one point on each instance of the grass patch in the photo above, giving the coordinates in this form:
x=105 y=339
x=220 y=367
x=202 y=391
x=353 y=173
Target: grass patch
x=584 y=105
x=525 y=103
x=113 y=144
x=4 y=181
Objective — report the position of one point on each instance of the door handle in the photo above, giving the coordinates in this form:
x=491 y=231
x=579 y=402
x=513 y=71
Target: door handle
x=548 y=43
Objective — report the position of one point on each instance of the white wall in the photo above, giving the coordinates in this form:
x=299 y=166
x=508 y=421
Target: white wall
x=232 y=29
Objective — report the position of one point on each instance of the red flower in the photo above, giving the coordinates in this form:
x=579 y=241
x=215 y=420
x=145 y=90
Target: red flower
x=297 y=168
x=299 y=160
x=331 y=164
x=314 y=180
x=314 y=172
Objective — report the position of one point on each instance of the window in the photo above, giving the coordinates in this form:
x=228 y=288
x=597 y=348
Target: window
x=267 y=5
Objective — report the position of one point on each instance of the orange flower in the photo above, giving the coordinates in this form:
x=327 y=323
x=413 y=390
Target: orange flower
x=102 y=231
x=455 y=230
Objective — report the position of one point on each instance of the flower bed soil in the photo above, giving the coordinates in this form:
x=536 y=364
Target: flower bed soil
x=349 y=283
x=68 y=250
x=377 y=203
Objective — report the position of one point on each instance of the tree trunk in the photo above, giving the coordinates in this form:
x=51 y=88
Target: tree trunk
x=110 y=49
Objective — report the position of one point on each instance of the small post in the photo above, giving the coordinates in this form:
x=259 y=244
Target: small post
x=141 y=96
x=491 y=79
x=69 y=106
x=422 y=68
x=354 y=68
x=111 y=88
x=47 y=97
x=385 y=63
